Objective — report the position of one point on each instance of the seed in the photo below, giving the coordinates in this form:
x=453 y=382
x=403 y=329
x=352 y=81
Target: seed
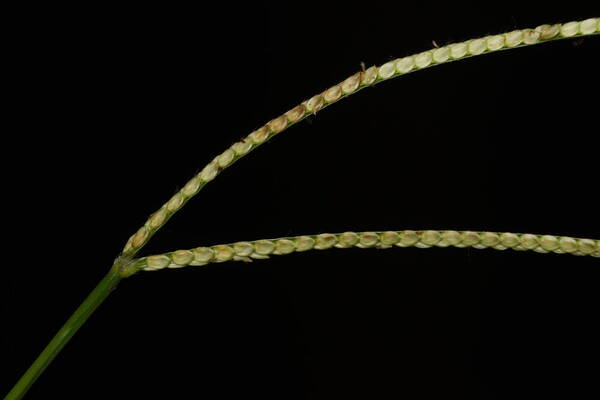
x=477 y=46
x=284 y=246
x=278 y=124
x=243 y=249
x=332 y=94
x=191 y=188
x=570 y=29
x=175 y=203
x=387 y=70
x=470 y=238
x=408 y=238
x=423 y=59
x=514 y=38
x=351 y=84
x=430 y=238
x=203 y=254
x=549 y=242
x=182 y=257
x=157 y=262
x=529 y=241
x=264 y=247
x=304 y=243
x=325 y=241
x=441 y=55
x=458 y=50
x=495 y=42
x=223 y=253
x=226 y=158
x=296 y=113
x=405 y=64
x=347 y=239
x=368 y=239
x=369 y=76
x=390 y=238
x=242 y=148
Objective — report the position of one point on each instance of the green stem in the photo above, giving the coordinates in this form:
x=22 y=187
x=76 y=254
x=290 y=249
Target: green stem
x=89 y=305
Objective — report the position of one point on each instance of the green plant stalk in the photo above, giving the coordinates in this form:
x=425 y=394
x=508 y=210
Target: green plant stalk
x=85 y=310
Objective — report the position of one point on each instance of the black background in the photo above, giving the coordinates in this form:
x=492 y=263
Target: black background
x=117 y=108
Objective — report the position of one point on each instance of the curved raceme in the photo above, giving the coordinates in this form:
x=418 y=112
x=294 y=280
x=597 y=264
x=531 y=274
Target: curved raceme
x=354 y=83
x=260 y=249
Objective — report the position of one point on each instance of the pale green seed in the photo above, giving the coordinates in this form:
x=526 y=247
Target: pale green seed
x=530 y=36
x=458 y=50
x=140 y=237
x=226 y=158
x=513 y=38
x=588 y=26
x=470 y=238
x=315 y=103
x=264 y=247
x=549 y=242
x=191 y=188
x=304 y=243
x=368 y=239
x=223 y=253
x=405 y=64
x=175 y=203
x=157 y=262
x=369 y=76
x=441 y=55
x=489 y=239
x=477 y=46
x=260 y=135
x=278 y=124
x=325 y=241
x=296 y=113
x=390 y=238
x=495 y=42
x=158 y=218
x=548 y=31
x=570 y=29
x=449 y=238
x=203 y=254
x=284 y=246
x=586 y=246
x=529 y=241
x=347 y=239
x=351 y=84
x=182 y=257
x=387 y=70
x=509 y=240
x=430 y=238
x=332 y=94
x=209 y=172
x=567 y=244
x=243 y=249
x=408 y=238
x=423 y=59
x=242 y=148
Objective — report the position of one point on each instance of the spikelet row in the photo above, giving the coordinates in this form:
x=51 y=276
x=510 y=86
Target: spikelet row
x=351 y=85
x=261 y=249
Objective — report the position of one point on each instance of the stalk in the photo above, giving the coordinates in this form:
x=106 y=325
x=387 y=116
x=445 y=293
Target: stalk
x=81 y=315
